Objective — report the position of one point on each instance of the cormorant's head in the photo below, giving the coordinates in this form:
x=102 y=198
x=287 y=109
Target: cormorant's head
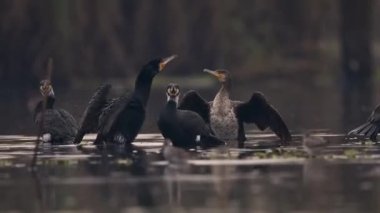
x=222 y=75
x=157 y=65
x=46 y=88
x=172 y=92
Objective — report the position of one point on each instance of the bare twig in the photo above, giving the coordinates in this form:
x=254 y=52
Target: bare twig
x=49 y=69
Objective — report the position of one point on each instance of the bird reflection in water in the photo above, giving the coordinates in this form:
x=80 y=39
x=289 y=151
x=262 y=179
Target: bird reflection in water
x=220 y=175
x=317 y=174
x=177 y=159
x=137 y=166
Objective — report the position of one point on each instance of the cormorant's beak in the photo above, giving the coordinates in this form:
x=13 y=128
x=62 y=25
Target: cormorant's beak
x=214 y=73
x=165 y=61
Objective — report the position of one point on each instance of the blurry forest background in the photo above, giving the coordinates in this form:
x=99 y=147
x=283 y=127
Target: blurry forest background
x=316 y=61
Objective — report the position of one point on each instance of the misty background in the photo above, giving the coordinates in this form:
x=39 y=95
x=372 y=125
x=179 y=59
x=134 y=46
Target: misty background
x=316 y=61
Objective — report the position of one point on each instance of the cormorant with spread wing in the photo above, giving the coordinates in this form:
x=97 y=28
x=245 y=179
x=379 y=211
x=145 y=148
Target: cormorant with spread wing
x=227 y=117
x=119 y=120
x=370 y=128
x=184 y=127
x=57 y=125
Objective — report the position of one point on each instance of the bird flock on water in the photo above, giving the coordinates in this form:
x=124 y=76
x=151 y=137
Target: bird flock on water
x=185 y=123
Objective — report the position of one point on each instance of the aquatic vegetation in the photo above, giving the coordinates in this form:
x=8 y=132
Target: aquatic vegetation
x=351 y=153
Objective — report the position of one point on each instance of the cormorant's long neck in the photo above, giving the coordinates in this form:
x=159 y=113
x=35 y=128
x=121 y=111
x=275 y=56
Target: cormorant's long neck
x=50 y=102
x=224 y=92
x=142 y=88
x=171 y=105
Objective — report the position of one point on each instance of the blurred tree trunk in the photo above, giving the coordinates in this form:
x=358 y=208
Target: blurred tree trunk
x=356 y=60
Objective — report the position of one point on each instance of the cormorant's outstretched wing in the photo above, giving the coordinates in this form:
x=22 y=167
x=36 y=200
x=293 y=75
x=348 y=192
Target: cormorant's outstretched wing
x=257 y=110
x=108 y=108
x=111 y=113
x=90 y=118
x=194 y=102
x=371 y=127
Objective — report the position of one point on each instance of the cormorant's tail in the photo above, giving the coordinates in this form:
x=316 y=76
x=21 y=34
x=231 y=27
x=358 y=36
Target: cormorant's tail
x=208 y=141
x=79 y=136
x=367 y=129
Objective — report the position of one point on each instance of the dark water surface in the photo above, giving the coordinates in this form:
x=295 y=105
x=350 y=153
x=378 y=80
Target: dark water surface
x=258 y=178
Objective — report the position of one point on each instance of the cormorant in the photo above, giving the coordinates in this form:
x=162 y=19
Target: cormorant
x=57 y=125
x=184 y=127
x=370 y=128
x=119 y=120
x=227 y=117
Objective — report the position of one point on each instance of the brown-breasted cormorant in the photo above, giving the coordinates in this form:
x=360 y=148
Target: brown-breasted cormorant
x=57 y=125
x=227 y=117
x=119 y=120
x=370 y=128
x=184 y=127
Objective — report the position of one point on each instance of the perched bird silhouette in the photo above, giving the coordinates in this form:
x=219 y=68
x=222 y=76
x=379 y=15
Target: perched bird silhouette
x=184 y=127
x=369 y=129
x=57 y=125
x=119 y=120
x=227 y=117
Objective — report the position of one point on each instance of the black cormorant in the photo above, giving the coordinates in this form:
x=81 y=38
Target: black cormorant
x=227 y=117
x=184 y=127
x=57 y=125
x=119 y=120
x=370 y=128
